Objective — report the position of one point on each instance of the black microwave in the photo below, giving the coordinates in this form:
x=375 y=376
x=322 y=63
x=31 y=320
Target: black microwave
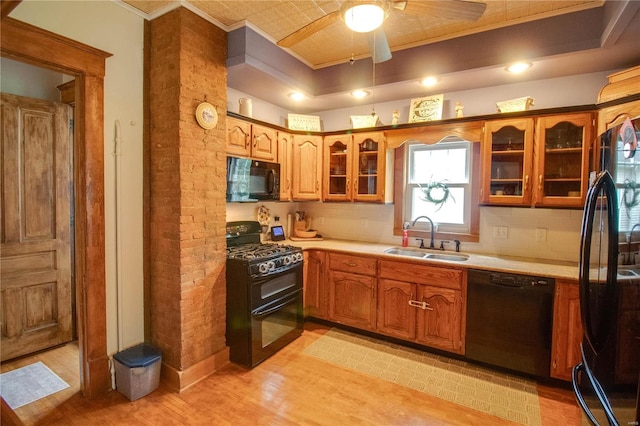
x=251 y=180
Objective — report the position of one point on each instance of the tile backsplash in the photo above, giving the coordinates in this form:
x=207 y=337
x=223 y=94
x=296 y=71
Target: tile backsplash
x=530 y=232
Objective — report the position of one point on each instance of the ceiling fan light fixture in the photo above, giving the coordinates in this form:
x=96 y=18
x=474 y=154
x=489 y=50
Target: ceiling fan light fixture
x=359 y=94
x=518 y=67
x=364 y=17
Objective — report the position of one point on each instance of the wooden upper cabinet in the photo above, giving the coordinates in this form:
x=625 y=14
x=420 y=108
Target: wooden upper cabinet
x=369 y=168
x=251 y=140
x=264 y=143
x=306 y=168
x=338 y=165
x=545 y=167
x=562 y=147
x=285 y=158
x=238 y=137
x=355 y=168
x=507 y=161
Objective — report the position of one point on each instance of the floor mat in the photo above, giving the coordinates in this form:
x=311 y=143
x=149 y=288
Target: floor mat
x=27 y=384
x=509 y=397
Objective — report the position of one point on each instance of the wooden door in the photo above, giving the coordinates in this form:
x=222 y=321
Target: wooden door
x=35 y=253
x=439 y=323
x=316 y=303
x=567 y=330
x=307 y=167
x=395 y=316
x=238 y=137
x=352 y=299
x=285 y=146
x=265 y=143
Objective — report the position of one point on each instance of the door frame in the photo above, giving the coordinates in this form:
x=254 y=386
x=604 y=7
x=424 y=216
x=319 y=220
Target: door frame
x=35 y=46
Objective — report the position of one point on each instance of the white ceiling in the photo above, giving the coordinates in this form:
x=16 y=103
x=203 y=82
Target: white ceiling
x=559 y=37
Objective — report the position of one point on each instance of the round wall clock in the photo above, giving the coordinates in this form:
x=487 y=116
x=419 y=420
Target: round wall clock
x=206 y=115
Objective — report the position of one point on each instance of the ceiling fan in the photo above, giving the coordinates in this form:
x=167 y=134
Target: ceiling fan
x=452 y=9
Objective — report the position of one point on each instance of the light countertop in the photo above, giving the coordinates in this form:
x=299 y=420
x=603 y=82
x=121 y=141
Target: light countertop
x=520 y=265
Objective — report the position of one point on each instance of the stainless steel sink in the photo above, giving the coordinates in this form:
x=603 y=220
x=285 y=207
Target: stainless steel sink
x=405 y=252
x=632 y=272
x=426 y=255
x=449 y=257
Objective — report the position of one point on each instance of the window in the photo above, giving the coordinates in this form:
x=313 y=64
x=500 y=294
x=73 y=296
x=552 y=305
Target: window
x=452 y=161
x=434 y=171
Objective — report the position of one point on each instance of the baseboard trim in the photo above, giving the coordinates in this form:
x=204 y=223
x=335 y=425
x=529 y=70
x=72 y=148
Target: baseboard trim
x=179 y=380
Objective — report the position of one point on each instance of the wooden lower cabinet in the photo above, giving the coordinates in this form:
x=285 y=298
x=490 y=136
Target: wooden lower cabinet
x=395 y=316
x=352 y=299
x=440 y=321
x=316 y=294
x=567 y=330
x=353 y=290
x=426 y=307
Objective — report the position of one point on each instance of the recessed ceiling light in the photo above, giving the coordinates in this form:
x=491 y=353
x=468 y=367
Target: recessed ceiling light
x=518 y=67
x=429 y=81
x=359 y=93
x=296 y=96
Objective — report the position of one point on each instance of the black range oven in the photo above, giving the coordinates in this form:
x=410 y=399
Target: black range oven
x=264 y=294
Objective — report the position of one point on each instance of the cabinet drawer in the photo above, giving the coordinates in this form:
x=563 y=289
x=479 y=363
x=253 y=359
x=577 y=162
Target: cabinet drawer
x=422 y=274
x=354 y=264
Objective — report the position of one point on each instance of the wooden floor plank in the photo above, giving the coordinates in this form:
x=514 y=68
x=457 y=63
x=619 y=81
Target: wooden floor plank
x=290 y=388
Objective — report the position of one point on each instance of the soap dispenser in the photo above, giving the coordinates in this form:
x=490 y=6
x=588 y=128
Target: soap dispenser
x=405 y=235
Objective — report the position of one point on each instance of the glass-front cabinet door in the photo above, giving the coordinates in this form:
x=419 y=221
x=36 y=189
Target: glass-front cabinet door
x=369 y=166
x=338 y=150
x=563 y=145
x=507 y=161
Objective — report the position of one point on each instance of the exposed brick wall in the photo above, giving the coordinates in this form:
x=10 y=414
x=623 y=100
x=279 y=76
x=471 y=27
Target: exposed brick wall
x=187 y=178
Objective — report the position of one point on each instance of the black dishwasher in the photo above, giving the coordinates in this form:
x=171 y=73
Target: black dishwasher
x=509 y=321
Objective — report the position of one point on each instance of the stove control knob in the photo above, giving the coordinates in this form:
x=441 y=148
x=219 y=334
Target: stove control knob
x=287 y=260
x=298 y=257
x=271 y=264
x=263 y=267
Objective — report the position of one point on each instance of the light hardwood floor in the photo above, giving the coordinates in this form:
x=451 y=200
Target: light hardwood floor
x=290 y=388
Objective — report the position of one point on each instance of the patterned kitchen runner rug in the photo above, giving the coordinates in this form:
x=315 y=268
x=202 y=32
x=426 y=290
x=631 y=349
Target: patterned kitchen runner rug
x=24 y=385
x=502 y=395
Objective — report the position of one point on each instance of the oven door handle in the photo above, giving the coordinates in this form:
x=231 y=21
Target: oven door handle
x=279 y=304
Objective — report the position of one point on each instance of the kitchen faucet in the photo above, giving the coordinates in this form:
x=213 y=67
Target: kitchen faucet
x=637 y=225
x=431 y=244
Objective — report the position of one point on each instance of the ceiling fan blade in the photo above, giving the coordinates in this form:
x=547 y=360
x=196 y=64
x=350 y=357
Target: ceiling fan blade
x=309 y=29
x=379 y=46
x=452 y=9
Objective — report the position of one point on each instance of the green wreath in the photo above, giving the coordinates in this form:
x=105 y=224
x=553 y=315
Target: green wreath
x=630 y=188
x=441 y=195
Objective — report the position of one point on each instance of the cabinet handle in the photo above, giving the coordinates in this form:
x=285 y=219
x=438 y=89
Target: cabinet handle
x=255 y=141
x=540 y=182
x=526 y=183
x=246 y=141
x=317 y=185
x=350 y=264
x=422 y=305
x=288 y=183
x=348 y=188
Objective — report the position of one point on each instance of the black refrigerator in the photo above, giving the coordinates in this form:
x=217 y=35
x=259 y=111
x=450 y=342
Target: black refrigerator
x=610 y=337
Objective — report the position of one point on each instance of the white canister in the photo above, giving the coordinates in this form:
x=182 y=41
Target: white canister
x=246 y=108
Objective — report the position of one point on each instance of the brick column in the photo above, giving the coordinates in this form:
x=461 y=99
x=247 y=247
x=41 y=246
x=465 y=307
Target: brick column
x=187 y=196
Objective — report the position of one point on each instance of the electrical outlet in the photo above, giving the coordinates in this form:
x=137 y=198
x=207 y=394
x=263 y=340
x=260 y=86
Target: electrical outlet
x=541 y=234
x=501 y=232
x=320 y=220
